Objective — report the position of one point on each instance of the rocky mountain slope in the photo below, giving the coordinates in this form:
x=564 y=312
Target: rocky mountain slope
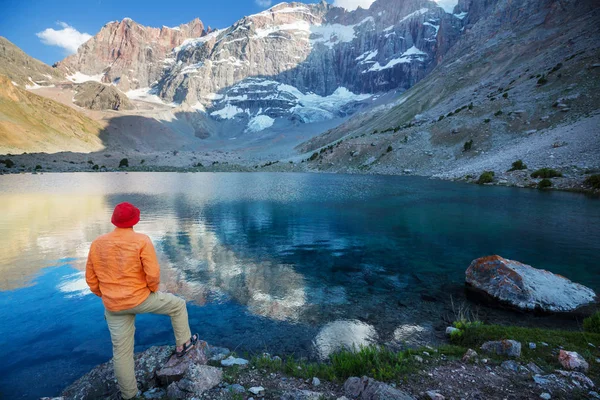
x=35 y=123
x=521 y=83
x=23 y=69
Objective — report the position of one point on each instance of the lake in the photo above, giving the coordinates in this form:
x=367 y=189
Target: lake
x=287 y=263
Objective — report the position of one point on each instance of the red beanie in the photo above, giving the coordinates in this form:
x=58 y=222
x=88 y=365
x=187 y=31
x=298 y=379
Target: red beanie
x=125 y=215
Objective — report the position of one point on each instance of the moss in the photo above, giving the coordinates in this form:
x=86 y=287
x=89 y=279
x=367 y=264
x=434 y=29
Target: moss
x=544 y=184
x=124 y=163
x=468 y=145
x=592 y=181
x=486 y=177
x=592 y=323
x=546 y=173
x=518 y=165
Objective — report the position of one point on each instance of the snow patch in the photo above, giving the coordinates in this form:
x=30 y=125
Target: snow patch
x=259 y=123
x=78 y=77
x=194 y=42
x=146 y=94
x=14 y=83
x=420 y=11
x=227 y=112
x=412 y=54
x=461 y=15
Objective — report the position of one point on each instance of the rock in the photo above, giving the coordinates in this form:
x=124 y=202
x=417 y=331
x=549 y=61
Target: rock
x=369 y=389
x=577 y=378
x=532 y=346
x=418 y=359
x=545 y=396
x=216 y=353
x=524 y=287
x=316 y=381
x=298 y=394
x=101 y=382
x=571 y=360
x=97 y=96
x=407 y=171
x=434 y=395
x=534 y=368
x=470 y=355
x=177 y=367
x=510 y=348
x=236 y=388
x=231 y=361
x=510 y=365
x=450 y=330
x=154 y=393
x=197 y=380
x=256 y=390
x=594 y=395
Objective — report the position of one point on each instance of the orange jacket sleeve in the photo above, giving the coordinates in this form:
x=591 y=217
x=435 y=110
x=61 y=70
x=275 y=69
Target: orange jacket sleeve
x=90 y=275
x=150 y=265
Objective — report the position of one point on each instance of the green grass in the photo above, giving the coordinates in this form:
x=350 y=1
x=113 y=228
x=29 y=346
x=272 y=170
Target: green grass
x=546 y=173
x=593 y=181
x=486 y=177
x=474 y=336
x=376 y=362
x=592 y=323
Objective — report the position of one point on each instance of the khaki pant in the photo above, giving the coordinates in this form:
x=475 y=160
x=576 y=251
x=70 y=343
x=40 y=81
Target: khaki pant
x=122 y=328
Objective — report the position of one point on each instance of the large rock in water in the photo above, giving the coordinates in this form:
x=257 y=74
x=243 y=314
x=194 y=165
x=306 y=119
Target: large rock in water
x=527 y=288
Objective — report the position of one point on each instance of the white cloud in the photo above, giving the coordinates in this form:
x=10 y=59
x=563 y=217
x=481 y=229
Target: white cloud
x=68 y=37
x=353 y=4
x=263 y=3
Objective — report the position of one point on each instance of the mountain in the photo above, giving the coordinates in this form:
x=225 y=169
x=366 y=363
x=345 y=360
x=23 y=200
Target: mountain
x=294 y=63
x=32 y=123
x=521 y=83
x=23 y=69
x=127 y=54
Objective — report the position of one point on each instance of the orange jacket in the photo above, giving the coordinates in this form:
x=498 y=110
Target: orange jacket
x=122 y=269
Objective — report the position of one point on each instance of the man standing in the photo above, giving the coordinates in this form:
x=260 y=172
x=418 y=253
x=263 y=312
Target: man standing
x=123 y=270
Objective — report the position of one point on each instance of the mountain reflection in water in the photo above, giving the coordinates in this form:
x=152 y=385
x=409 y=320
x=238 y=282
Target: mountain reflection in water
x=286 y=263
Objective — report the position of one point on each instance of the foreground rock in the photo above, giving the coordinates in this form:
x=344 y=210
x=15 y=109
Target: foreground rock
x=510 y=348
x=527 y=288
x=573 y=361
x=369 y=389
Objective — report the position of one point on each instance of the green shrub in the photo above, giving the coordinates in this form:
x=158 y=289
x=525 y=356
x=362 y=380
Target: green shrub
x=518 y=165
x=440 y=118
x=505 y=95
x=487 y=120
x=498 y=113
x=542 y=80
x=468 y=145
x=38 y=167
x=486 y=177
x=544 y=183
x=95 y=167
x=594 y=182
x=556 y=68
x=470 y=106
x=390 y=148
x=8 y=162
x=124 y=163
x=450 y=114
x=592 y=323
x=313 y=157
x=90 y=162
x=143 y=161
x=546 y=173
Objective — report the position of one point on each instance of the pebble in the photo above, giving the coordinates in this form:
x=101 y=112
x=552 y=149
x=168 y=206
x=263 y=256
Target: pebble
x=532 y=345
x=316 y=381
x=545 y=396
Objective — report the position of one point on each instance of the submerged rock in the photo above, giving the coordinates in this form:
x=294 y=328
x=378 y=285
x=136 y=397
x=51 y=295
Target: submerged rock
x=571 y=360
x=527 y=288
x=369 y=389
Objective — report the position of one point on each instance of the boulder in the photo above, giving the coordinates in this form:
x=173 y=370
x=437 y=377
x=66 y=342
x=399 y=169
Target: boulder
x=469 y=355
x=197 y=380
x=101 y=382
x=510 y=348
x=571 y=360
x=298 y=394
x=526 y=288
x=231 y=361
x=369 y=389
x=175 y=369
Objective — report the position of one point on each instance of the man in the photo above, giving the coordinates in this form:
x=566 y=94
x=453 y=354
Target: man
x=123 y=270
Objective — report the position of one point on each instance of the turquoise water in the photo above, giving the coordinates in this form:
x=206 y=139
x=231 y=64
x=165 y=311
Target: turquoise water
x=288 y=263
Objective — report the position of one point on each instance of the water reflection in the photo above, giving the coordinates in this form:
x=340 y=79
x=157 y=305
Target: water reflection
x=291 y=263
